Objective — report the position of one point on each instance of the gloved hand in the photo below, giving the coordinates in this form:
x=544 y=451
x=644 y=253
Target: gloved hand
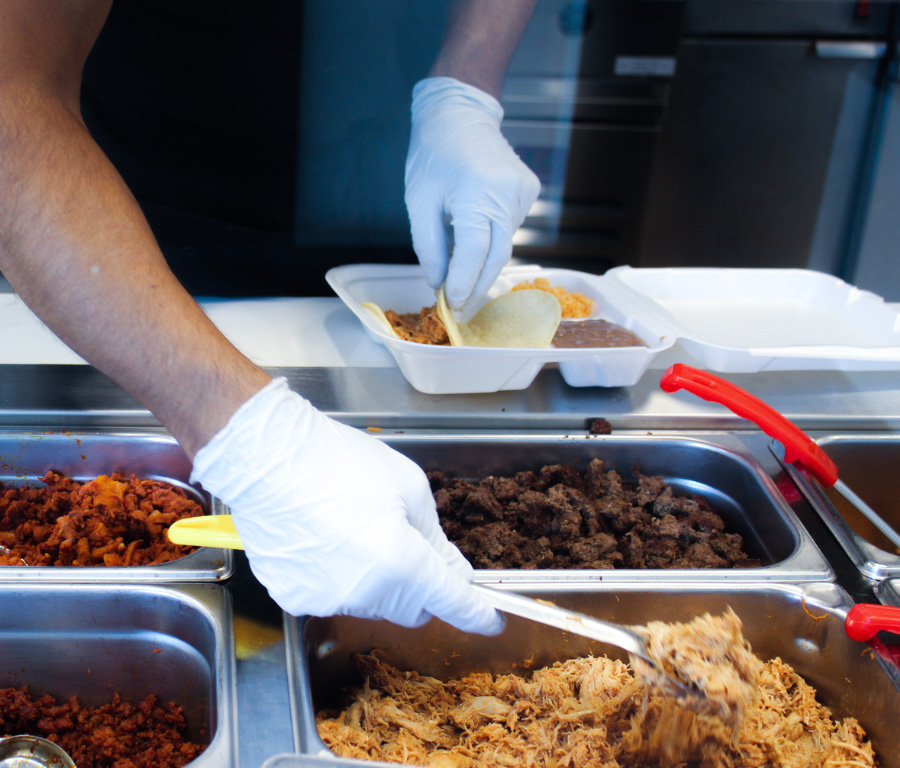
x=459 y=164
x=334 y=521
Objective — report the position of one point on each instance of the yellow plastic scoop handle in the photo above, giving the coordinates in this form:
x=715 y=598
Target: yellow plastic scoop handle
x=206 y=531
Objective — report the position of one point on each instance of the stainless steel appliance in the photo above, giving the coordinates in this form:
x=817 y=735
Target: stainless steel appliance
x=768 y=139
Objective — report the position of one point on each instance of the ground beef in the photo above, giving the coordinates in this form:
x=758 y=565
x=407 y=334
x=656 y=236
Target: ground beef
x=562 y=518
x=114 y=735
x=109 y=521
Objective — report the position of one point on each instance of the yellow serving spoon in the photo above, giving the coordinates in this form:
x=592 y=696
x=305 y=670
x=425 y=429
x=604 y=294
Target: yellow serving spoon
x=206 y=531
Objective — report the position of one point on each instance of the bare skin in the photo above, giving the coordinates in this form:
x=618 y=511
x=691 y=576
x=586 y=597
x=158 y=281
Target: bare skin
x=74 y=243
x=481 y=37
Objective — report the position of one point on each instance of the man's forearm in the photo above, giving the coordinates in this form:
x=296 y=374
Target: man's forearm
x=480 y=39
x=76 y=247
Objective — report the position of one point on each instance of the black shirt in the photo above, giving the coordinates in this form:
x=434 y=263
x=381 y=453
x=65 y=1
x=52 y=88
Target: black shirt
x=198 y=105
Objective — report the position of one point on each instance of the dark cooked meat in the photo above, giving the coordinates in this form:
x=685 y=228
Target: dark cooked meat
x=562 y=518
x=599 y=427
x=114 y=735
x=109 y=521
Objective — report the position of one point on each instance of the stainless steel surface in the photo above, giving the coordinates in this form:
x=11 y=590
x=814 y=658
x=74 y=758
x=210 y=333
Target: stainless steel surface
x=264 y=689
x=727 y=475
x=854 y=498
x=136 y=640
x=25 y=457
x=32 y=752
x=545 y=612
x=888 y=592
x=59 y=396
x=869 y=464
x=802 y=624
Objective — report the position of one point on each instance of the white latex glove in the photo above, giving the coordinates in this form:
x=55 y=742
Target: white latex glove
x=334 y=521
x=460 y=165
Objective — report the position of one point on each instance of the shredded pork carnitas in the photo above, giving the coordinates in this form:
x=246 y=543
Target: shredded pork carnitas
x=593 y=712
x=423 y=327
x=708 y=654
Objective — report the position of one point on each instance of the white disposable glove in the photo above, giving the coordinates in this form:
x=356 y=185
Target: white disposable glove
x=334 y=521
x=460 y=165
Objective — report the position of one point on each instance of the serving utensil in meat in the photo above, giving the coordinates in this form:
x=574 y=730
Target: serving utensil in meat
x=798 y=446
x=6 y=551
x=32 y=752
x=627 y=638
x=219 y=531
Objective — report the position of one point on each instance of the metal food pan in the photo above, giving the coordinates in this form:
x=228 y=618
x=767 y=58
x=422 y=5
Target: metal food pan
x=801 y=624
x=25 y=457
x=868 y=464
x=732 y=480
x=94 y=640
x=888 y=592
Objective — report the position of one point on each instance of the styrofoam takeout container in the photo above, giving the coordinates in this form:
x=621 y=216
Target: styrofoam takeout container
x=453 y=370
x=728 y=320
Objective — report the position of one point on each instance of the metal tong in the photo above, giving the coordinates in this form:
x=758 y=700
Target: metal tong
x=219 y=531
x=622 y=636
x=798 y=446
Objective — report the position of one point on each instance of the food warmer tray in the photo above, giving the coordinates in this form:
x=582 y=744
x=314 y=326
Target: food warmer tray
x=802 y=624
x=25 y=457
x=93 y=640
x=867 y=463
x=730 y=478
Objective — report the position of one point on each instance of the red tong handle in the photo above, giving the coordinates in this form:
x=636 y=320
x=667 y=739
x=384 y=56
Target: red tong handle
x=798 y=446
x=865 y=620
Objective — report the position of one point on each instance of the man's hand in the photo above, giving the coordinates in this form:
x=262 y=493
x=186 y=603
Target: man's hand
x=461 y=167
x=335 y=521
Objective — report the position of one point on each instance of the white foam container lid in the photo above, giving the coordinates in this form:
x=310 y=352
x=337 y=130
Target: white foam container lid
x=748 y=320
x=728 y=320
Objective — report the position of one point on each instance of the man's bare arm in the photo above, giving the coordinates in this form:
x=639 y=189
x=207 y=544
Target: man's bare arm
x=480 y=39
x=76 y=247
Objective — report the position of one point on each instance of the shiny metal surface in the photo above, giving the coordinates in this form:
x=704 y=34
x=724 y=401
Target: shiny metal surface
x=802 y=624
x=27 y=456
x=888 y=592
x=32 y=752
x=264 y=689
x=60 y=396
x=545 y=612
x=552 y=615
x=868 y=464
x=136 y=640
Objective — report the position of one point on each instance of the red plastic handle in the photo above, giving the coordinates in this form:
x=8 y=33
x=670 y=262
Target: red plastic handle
x=798 y=446
x=866 y=620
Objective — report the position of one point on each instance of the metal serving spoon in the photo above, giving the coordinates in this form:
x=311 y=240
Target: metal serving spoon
x=219 y=531
x=7 y=551
x=32 y=752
